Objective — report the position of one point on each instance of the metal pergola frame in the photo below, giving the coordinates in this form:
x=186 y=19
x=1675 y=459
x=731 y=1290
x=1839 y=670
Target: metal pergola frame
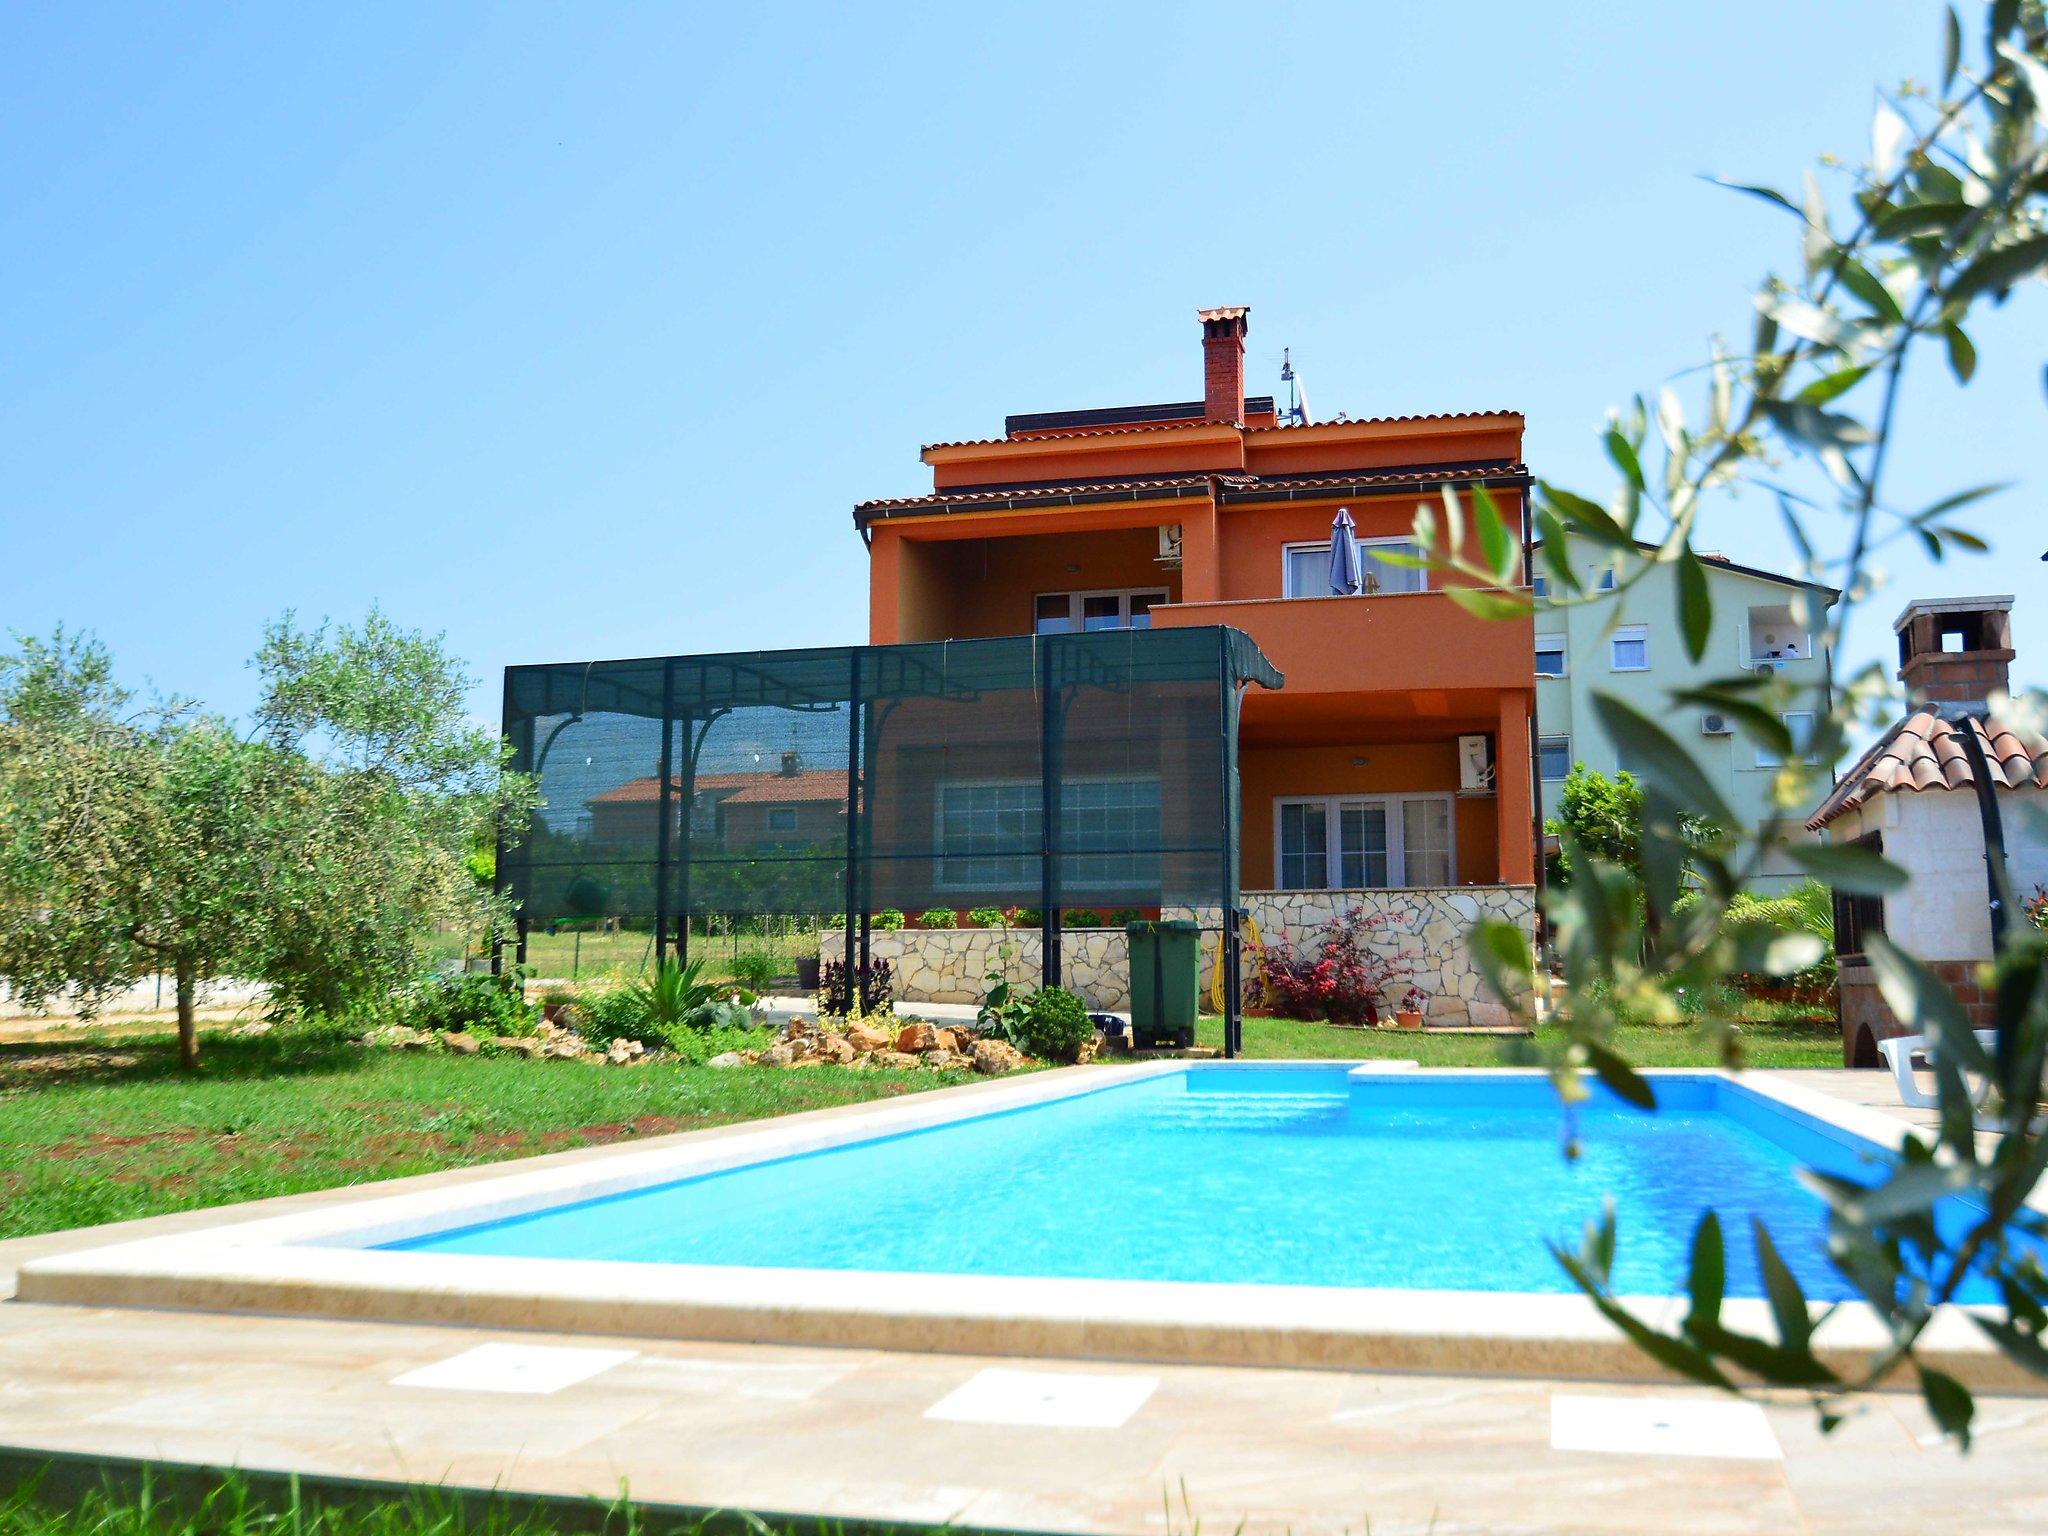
x=688 y=695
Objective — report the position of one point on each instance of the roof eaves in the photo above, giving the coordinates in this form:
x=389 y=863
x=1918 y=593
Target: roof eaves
x=945 y=503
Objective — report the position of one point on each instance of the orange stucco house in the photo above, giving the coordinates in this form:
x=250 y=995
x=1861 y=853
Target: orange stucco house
x=1397 y=757
x=1214 y=512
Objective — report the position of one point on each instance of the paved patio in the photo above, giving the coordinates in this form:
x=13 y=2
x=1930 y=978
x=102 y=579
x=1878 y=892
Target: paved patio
x=1079 y=1446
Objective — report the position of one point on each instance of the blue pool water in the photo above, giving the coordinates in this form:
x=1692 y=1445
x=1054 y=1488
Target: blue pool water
x=1273 y=1175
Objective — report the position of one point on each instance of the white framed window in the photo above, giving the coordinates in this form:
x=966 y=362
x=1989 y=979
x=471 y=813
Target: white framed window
x=1550 y=656
x=1607 y=579
x=1362 y=842
x=1799 y=726
x=1539 y=586
x=781 y=818
x=1068 y=613
x=1554 y=757
x=988 y=834
x=1629 y=649
x=1305 y=568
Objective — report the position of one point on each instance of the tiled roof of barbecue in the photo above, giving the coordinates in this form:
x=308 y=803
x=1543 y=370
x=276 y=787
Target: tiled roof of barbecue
x=1925 y=751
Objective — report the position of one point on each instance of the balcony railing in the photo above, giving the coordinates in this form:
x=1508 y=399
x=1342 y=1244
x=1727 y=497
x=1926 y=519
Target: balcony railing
x=1389 y=642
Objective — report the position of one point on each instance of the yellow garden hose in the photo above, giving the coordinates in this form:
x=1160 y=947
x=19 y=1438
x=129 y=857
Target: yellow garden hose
x=1216 y=972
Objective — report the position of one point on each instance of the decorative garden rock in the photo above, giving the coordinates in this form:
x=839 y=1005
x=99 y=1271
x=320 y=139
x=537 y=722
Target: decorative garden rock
x=864 y=1037
x=992 y=1058
x=917 y=1037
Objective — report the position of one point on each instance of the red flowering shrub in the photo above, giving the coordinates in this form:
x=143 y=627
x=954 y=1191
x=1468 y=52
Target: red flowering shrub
x=1336 y=975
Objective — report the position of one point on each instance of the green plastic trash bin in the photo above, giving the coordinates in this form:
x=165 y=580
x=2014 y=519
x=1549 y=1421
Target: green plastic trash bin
x=1165 y=982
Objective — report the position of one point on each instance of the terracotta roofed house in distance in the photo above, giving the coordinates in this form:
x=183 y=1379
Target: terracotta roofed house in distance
x=1398 y=755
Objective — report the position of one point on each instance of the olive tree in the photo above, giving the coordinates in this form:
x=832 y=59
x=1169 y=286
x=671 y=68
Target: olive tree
x=313 y=853
x=1909 y=257
x=403 y=789
x=131 y=840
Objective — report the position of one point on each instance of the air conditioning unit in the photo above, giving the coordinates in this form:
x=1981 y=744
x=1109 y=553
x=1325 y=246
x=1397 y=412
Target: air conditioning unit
x=1769 y=668
x=1715 y=725
x=1475 y=765
x=1169 y=546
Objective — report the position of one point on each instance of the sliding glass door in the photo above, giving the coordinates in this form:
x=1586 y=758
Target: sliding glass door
x=1363 y=842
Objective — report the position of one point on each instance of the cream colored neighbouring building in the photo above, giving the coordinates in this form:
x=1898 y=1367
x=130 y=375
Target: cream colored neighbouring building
x=1630 y=646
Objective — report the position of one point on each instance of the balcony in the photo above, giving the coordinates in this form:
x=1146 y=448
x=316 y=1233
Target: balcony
x=1416 y=646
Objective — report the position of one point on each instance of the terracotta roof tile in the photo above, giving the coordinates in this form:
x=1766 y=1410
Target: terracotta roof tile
x=1059 y=436
x=1184 y=426
x=741 y=788
x=1079 y=489
x=1041 y=492
x=1925 y=751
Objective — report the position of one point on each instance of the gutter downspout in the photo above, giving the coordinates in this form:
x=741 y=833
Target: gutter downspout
x=1996 y=880
x=1535 y=745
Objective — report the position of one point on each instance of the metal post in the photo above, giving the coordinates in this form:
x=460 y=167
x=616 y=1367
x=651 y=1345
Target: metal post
x=519 y=949
x=1048 y=818
x=664 y=804
x=868 y=732
x=854 y=989
x=500 y=845
x=694 y=735
x=1233 y=1021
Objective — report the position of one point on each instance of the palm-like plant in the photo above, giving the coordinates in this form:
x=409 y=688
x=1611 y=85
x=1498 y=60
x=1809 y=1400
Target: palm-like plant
x=673 y=994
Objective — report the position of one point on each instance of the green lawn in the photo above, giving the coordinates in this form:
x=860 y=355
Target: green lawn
x=71 y=1501
x=1794 y=1044
x=94 y=1131
x=588 y=957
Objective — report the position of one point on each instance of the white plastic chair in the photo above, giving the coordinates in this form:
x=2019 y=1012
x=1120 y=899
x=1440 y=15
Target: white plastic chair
x=1906 y=1055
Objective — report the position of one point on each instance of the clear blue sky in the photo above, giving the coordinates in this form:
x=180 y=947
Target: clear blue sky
x=576 y=331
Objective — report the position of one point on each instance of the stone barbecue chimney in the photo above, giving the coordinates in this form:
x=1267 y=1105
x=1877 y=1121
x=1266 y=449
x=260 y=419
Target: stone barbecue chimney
x=1223 y=332
x=1955 y=652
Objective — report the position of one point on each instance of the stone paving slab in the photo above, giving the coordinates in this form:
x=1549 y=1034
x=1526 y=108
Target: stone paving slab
x=844 y=1434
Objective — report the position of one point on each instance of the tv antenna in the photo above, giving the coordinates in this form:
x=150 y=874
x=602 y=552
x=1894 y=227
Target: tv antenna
x=1296 y=413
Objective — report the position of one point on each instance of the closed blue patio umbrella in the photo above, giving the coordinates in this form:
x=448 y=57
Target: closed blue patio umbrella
x=1347 y=570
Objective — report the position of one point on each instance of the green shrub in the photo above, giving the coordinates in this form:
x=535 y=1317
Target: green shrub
x=719 y=1017
x=484 y=1005
x=1055 y=1025
x=1807 y=908
x=936 y=917
x=615 y=1014
x=753 y=970
x=985 y=917
x=888 y=920
x=1081 y=917
x=1026 y=917
x=1123 y=917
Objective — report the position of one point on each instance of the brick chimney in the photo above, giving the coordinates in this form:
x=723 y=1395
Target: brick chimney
x=1223 y=363
x=1955 y=652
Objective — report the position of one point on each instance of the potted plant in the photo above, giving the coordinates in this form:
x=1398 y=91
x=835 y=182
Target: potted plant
x=556 y=1001
x=1408 y=1012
